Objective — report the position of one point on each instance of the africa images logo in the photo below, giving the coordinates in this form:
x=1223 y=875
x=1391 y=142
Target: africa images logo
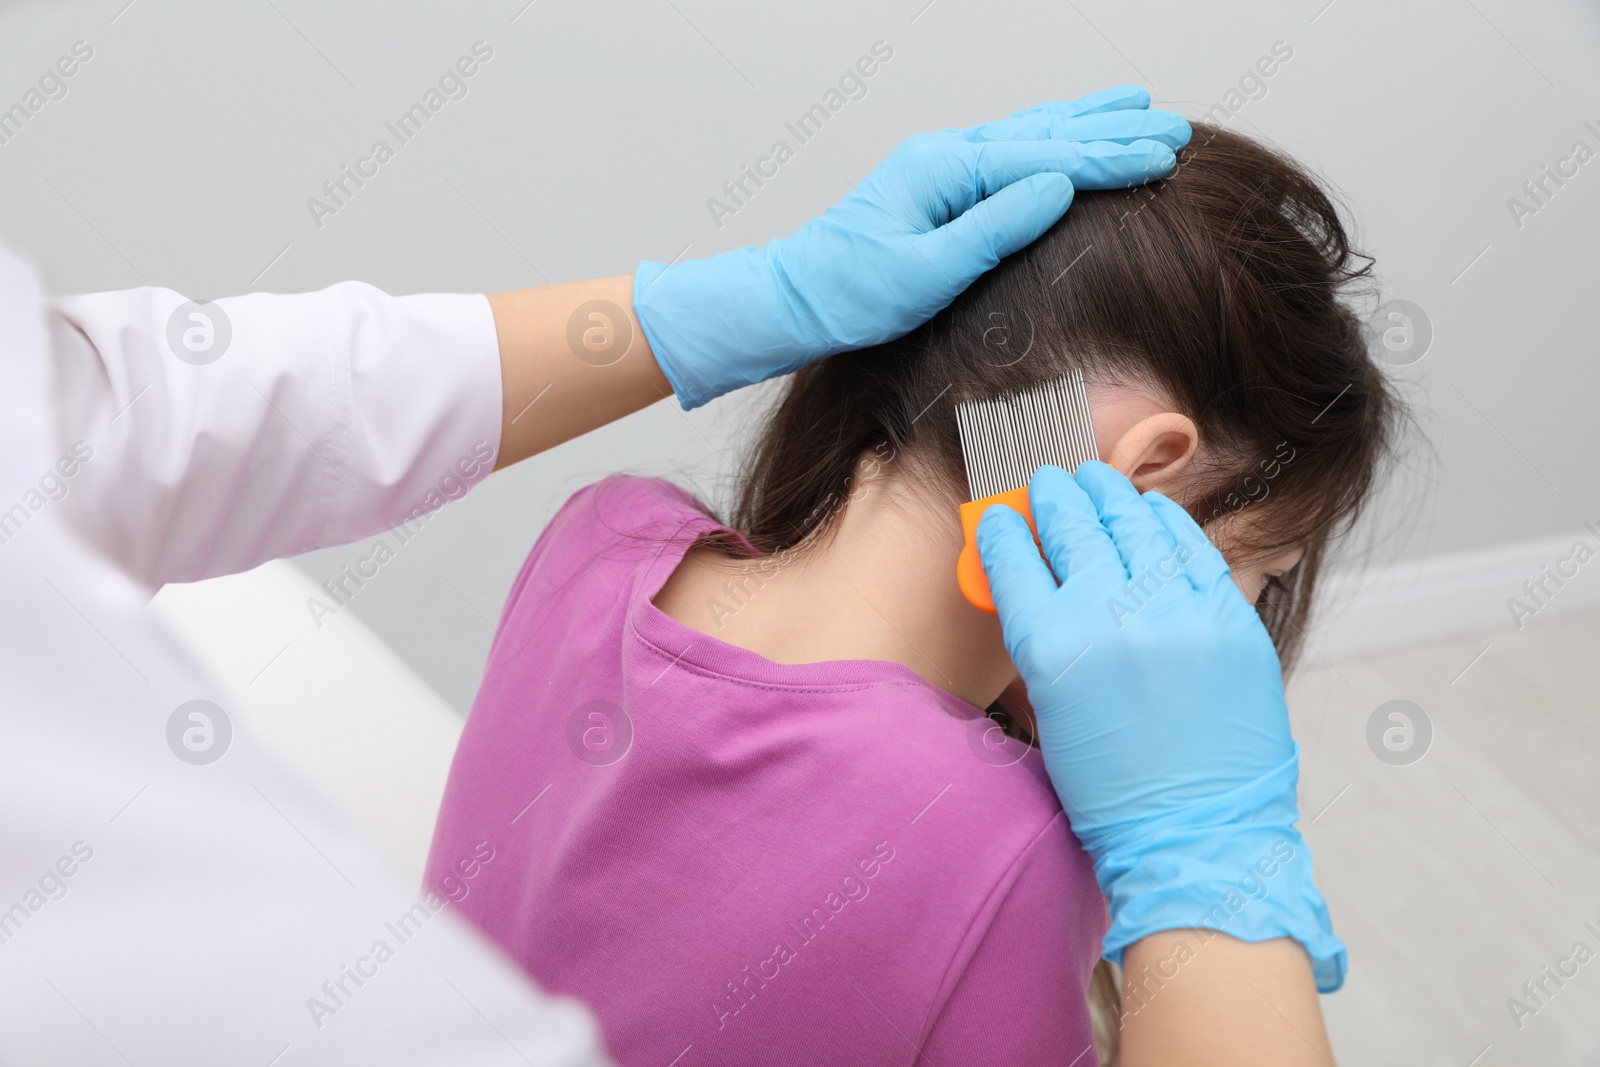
x=199 y=732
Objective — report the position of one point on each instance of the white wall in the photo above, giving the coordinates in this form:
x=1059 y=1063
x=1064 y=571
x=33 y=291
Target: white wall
x=186 y=150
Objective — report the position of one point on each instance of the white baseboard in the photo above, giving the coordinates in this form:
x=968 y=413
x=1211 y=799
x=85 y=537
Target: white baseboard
x=1436 y=596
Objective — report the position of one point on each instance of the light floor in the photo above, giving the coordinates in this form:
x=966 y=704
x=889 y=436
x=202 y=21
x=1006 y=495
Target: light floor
x=1458 y=877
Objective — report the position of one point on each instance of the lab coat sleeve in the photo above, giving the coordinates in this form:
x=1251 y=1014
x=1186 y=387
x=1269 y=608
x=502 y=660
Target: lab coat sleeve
x=173 y=898
x=221 y=435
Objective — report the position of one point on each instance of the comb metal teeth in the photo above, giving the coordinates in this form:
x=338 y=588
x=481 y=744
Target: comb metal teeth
x=1004 y=439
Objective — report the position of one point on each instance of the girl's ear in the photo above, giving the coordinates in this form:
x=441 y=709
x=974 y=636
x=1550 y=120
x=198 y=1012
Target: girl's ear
x=1155 y=451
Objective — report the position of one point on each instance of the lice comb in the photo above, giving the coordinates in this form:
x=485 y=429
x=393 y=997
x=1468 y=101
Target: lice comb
x=1003 y=441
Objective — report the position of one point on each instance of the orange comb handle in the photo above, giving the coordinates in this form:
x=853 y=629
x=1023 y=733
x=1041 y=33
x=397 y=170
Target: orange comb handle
x=969 y=567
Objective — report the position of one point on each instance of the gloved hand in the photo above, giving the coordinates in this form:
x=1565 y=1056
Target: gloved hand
x=941 y=210
x=1160 y=713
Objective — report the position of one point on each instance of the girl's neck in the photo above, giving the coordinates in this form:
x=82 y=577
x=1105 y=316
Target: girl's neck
x=879 y=586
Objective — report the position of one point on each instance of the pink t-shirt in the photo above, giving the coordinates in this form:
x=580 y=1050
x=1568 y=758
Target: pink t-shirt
x=734 y=861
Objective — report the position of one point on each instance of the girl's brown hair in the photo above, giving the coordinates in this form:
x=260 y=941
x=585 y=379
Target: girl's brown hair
x=1221 y=288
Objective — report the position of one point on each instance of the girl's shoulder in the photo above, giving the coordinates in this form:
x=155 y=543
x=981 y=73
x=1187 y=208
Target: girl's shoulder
x=620 y=522
x=626 y=506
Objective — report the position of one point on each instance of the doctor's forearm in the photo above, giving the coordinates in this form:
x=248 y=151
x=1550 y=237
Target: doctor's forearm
x=1204 y=999
x=572 y=358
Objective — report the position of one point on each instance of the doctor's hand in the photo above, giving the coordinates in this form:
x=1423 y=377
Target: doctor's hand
x=1160 y=713
x=941 y=210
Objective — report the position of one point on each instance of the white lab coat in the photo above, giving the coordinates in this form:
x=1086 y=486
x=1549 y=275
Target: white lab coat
x=157 y=912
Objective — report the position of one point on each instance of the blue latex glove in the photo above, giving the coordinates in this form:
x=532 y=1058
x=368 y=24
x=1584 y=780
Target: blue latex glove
x=940 y=211
x=1161 y=715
